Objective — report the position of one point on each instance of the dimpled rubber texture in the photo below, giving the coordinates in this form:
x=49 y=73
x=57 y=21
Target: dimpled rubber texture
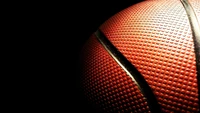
x=155 y=36
x=105 y=83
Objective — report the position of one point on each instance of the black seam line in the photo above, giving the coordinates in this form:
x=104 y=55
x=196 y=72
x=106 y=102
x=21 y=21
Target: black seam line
x=135 y=75
x=195 y=27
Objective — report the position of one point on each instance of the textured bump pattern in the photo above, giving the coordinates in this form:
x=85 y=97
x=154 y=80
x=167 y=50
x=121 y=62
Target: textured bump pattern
x=155 y=36
x=106 y=85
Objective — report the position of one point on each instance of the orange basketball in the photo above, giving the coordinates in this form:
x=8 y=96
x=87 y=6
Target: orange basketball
x=145 y=58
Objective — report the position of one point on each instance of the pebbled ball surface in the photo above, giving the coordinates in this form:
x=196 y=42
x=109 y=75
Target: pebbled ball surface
x=155 y=36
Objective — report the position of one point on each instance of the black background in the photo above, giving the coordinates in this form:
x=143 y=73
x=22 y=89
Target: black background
x=69 y=25
x=47 y=38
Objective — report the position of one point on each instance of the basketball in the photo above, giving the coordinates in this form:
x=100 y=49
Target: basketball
x=145 y=58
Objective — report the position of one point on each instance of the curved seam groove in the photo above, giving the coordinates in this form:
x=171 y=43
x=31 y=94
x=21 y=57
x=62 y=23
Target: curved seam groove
x=195 y=27
x=131 y=71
